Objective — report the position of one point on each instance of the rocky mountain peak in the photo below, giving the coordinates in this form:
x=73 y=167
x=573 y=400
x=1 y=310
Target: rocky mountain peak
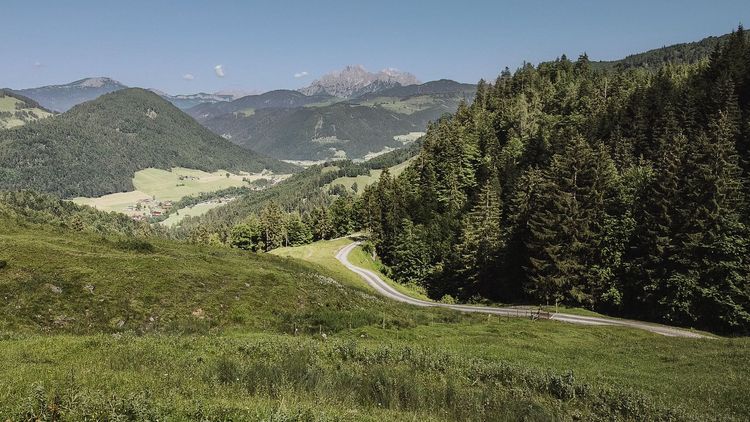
x=355 y=80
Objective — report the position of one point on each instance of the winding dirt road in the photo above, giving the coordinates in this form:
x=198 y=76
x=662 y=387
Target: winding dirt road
x=386 y=290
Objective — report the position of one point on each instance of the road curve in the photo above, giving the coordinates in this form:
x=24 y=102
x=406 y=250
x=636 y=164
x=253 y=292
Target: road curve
x=386 y=290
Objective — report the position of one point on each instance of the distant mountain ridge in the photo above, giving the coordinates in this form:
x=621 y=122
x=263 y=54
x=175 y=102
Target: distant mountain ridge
x=280 y=98
x=185 y=101
x=300 y=127
x=63 y=97
x=96 y=147
x=354 y=81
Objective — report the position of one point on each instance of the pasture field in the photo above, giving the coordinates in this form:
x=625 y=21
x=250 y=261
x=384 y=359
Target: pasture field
x=193 y=211
x=157 y=185
x=366 y=180
x=180 y=182
x=409 y=105
x=246 y=112
x=114 y=202
x=8 y=105
x=409 y=137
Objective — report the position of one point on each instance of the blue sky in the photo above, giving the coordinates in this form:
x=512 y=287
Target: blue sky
x=262 y=45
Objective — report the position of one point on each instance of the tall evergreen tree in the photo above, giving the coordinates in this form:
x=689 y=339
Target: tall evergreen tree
x=481 y=242
x=567 y=227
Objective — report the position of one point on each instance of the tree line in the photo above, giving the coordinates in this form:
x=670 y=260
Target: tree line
x=623 y=190
x=273 y=227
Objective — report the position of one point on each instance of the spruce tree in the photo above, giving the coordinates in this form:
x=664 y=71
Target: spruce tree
x=566 y=229
x=713 y=241
x=481 y=242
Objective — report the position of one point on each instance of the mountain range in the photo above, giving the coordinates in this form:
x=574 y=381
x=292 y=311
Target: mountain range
x=64 y=97
x=291 y=125
x=349 y=113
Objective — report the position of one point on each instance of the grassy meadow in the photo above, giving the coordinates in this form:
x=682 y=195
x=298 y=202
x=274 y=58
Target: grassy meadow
x=174 y=219
x=116 y=328
x=171 y=186
x=18 y=117
x=368 y=179
x=408 y=105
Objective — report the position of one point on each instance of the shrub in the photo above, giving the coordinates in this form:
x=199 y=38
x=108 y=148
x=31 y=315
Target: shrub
x=135 y=245
x=447 y=299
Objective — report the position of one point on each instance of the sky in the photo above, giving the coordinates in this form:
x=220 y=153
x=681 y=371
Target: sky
x=206 y=46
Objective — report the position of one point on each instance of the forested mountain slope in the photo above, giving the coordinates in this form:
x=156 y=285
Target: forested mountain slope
x=623 y=191
x=683 y=53
x=96 y=147
x=350 y=129
x=306 y=207
x=282 y=98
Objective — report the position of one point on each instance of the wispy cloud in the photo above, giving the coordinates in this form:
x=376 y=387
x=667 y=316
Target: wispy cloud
x=188 y=77
x=38 y=64
x=301 y=74
x=219 y=69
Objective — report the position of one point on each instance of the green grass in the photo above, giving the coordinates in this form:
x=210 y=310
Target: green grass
x=409 y=137
x=194 y=211
x=322 y=254
x=8 y=104
x=409 y=105
x=362 y=259
x=166 y=185
x=210 y=333
x=247 y=112
x=324 y=103
x=61 y=283
x=171 y=186
x=365 y=180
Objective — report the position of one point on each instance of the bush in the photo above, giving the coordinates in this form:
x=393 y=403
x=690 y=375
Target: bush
x=448 y=299
x=3 y=264
x=135 y=245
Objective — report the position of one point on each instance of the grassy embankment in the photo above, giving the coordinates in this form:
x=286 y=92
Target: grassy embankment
x=113 y=327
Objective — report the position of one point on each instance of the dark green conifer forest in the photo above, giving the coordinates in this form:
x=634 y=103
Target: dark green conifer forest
x=623 y=190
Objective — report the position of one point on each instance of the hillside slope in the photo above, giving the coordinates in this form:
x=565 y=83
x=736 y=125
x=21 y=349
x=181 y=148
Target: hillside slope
x=95 y=148
x=350 y=129
x=682 y=53
x=281 y=98
x=67 y=282
x=96 y=327
x=17 y=110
